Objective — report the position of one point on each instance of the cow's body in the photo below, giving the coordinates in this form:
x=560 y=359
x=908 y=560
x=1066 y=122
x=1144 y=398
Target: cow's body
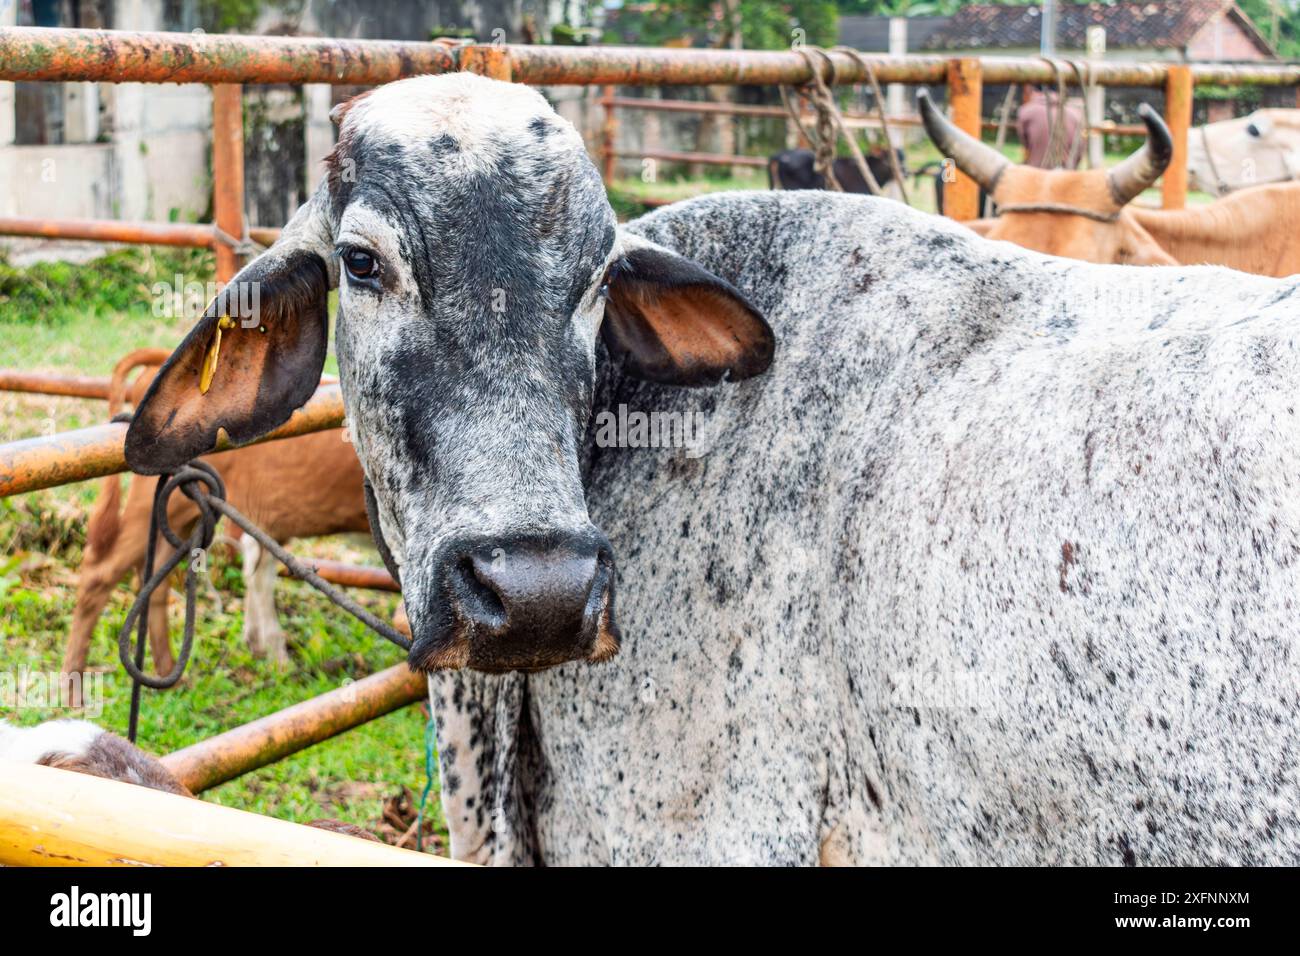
x=1252 y=230
x=1087 y=215
x=990 y=557
x=997 y=564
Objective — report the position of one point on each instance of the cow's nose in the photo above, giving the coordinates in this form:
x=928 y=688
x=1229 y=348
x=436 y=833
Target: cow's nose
x=531 y=603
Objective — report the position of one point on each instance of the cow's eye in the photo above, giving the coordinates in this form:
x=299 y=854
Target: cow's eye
x=362 y=267
x=1253 y=130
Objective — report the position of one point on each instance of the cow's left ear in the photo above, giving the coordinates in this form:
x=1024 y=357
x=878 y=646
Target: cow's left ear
x=670 y=321
x=254 y=356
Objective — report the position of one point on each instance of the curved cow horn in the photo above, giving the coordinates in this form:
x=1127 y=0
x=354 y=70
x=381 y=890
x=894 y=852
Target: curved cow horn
x=984 y=164
x=1143 y=168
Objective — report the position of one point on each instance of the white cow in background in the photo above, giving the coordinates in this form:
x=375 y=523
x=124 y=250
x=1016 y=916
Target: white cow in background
x=1263 y=147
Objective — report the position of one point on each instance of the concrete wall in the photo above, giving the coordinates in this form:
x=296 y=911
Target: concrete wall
x=154 y=160
x=58 y=182
x=161 y=136
x=162 y=142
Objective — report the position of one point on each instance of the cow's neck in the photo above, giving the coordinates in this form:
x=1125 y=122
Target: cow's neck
x=1240 y=232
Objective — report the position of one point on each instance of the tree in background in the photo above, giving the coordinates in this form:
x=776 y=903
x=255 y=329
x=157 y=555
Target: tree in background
x=724 y=24
x=1278 y=20
x=902 y=8
x=760 y=24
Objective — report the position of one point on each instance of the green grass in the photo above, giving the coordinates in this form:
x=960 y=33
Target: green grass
x=77 y=320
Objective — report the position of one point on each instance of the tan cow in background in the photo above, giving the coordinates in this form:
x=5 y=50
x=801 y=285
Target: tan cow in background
x=1088 y=214
x=300 y=487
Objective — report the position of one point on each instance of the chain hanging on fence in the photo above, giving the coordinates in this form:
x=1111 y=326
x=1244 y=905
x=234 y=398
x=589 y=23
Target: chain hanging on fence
x=200 y=482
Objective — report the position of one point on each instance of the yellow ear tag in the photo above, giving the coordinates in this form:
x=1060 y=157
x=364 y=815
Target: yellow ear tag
x=210 y=358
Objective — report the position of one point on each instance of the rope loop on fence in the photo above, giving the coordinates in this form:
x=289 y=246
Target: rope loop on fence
x=878 y=94
x=245 y=247
x=1058 y=150
x=821 y=137
x=190 y=480
x=830 y=122
x=201 y=483
x=1083 y=73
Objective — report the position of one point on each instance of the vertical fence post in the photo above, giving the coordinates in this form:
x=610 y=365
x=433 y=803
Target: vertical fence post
x=961 y=198
x=488 y=59
x=228 y=173
x=607 y=136
x=1178 y=114
x=1096 y=98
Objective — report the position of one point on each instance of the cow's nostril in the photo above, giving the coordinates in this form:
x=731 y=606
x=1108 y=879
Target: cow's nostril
x=520 y=603
x=479 y=599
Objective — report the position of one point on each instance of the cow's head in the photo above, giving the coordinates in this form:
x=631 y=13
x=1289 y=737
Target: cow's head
x=1079 y=214
x=477 y=261
x=1263 y=147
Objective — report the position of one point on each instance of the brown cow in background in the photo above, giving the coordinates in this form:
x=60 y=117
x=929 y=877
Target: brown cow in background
x=300 y=487
x=1087 y=214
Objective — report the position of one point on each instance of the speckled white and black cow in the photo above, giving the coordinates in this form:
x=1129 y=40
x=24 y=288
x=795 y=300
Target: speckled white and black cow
x=995 y=561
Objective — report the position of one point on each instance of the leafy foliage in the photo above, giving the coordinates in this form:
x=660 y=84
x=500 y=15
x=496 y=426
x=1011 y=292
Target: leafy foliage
x=902 y=8
x=121 y=281
x=240 y=16
x=764 y=25
x=1282 y=14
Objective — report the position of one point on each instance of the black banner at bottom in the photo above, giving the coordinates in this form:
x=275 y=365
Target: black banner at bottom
x=332 y=906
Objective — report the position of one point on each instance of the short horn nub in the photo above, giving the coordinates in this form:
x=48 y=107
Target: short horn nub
x=1144 y=167
x=984 y=164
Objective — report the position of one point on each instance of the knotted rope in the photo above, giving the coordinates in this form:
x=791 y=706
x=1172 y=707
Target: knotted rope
x=879 y=96
x=200 y=482
x=1056 y=120
x=245 y=247
x=1058 y=140
x=830 y=122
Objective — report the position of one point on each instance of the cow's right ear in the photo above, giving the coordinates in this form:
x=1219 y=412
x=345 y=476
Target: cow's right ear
x=253 y=358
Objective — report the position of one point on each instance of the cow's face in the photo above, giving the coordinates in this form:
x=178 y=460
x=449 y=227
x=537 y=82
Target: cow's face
x=1263 y=147
x=1078 y=214
x=477 y=261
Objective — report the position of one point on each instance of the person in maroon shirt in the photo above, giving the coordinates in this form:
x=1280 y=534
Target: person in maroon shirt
x=1034 y=121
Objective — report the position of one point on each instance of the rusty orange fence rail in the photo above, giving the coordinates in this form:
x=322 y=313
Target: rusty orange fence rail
x=610 y=103
x=33 y=53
